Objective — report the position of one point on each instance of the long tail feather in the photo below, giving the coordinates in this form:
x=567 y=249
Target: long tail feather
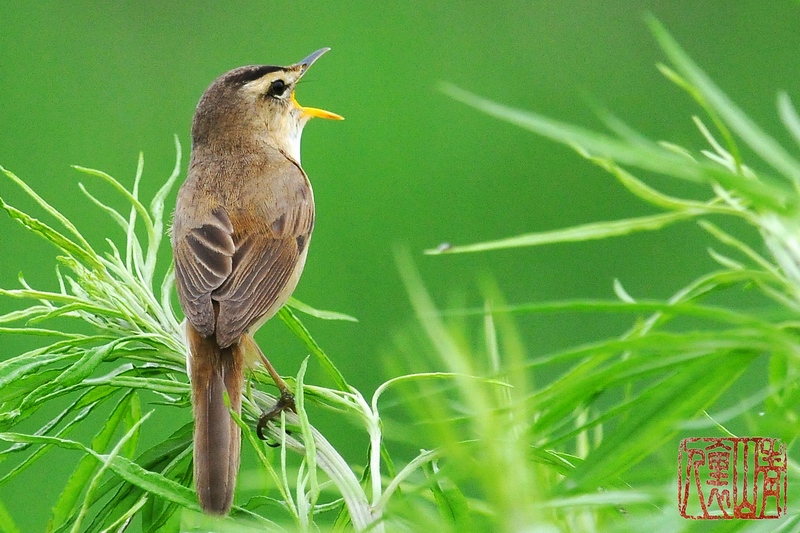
x=217 y=438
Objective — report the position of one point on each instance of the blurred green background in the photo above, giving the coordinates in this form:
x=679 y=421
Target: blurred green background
x=94 y=83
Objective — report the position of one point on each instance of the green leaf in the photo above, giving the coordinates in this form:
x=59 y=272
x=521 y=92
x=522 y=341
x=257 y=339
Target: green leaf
x=51 y=235
x=767 y=192
x=110 y=211
x=309 y=498
x=659 y=199
x=83 y=248
x=789 y=116
x=133 y=418
x=81 y=408
x=585 y=232
x=658 y=412
x=75 y=373
x=318 y=313
x=764 y=145
x=450 y=501
x=719 y=314
x=6 y=522
x=297 y=327
x=64 y=508
x=165 y=386
x=157 y=208
x=28 y=364
x=131 y=472
x=135 y=203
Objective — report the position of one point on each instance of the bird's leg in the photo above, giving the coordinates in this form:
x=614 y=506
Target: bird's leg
x=285 y=401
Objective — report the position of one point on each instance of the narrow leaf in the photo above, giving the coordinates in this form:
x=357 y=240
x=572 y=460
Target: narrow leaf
x=764 y=145
x=767 y=192
x=77 y=482
x=658 y=413
x=128 y=470
x=297 y=327
x=585 y=232
x=83 y=244
x=789 y=116
x=63 y=243
x=319 y=313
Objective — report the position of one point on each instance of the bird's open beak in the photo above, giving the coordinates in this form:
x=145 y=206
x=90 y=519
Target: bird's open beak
x=313 y=111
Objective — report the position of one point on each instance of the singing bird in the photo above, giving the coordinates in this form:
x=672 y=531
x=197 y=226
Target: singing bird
x=240 y=236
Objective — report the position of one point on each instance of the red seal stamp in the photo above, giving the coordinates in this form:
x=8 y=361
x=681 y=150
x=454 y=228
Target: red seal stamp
x=732 y=477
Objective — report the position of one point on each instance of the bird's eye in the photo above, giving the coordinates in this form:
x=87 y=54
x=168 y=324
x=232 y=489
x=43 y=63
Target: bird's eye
x=276 y=88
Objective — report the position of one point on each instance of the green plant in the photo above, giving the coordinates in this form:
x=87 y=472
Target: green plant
x=137 y=347
x=625 y=398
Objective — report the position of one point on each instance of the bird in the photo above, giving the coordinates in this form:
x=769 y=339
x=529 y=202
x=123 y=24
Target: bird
x=240 y=234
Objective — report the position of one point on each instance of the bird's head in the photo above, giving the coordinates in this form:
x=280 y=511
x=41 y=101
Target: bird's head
x=256 y=104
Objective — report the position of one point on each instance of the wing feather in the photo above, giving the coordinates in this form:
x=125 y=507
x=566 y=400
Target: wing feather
x=244 y=258
x=203 y=261
x=255 y=287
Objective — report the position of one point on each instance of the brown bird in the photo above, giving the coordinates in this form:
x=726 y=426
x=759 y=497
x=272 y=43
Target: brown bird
x=240 y=235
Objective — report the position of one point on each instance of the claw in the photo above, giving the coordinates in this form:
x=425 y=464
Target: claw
x=284 y=403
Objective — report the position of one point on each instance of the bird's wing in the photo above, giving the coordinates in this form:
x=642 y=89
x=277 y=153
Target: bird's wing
x=203 y=261
x=245 y=275
x=262 y=269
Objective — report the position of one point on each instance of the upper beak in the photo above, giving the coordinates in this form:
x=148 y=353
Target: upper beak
x=313 y=111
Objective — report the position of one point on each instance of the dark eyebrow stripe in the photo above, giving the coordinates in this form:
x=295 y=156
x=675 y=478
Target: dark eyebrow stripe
x=246 y=74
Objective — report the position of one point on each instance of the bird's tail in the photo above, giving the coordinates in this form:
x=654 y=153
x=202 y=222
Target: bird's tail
x=217 y=438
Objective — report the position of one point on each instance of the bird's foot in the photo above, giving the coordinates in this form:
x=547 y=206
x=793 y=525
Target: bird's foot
x=284 y=403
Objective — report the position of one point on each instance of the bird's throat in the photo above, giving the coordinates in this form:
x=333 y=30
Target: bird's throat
x=286 y=135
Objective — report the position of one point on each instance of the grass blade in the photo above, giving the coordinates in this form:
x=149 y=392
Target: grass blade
x=297 y=327
x=767 y=193
x=764 y=145
x=585 y=232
